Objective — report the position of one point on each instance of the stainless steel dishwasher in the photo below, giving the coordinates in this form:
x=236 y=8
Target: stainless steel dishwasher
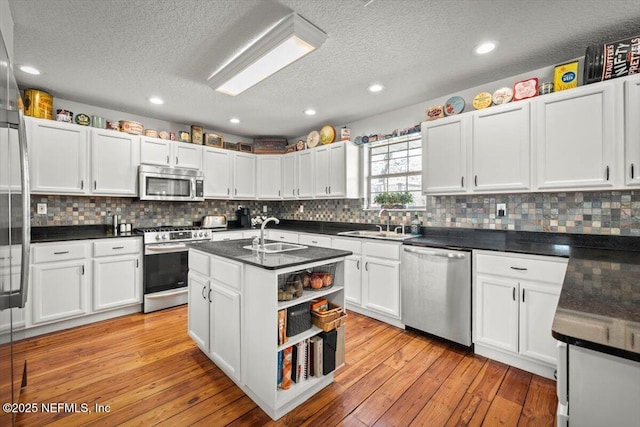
x=436 y=292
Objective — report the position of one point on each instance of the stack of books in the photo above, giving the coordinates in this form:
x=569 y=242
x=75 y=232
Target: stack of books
x=300 y=362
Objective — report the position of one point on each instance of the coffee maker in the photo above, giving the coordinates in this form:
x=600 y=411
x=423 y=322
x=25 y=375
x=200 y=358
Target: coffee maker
x=244 y=217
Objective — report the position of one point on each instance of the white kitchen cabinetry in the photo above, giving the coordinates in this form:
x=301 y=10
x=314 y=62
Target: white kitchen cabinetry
x=515 y=301
x=115 y=157
x=337 y=170
x=444 y=155
x=244 y=176
x=163 y=152
x=289 y=176
x=59 y=288
x=117 y=273
x=58 y=153
x=198 y=309
x=224 y=327
x=220 y=236
x=576 y=138
x=352 y=270
x=632 y=132
x=306 y=172
x=281 y=236
x=269 y=181
x=217 y=166
x=500 y=147
x=381 y=278
x=320 y=240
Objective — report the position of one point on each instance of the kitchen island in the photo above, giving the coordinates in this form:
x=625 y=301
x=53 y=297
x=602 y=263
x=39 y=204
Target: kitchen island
x=233 y=314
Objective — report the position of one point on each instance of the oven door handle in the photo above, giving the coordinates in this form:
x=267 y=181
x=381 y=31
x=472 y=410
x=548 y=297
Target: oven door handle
x=164 y=295
x=165 y=248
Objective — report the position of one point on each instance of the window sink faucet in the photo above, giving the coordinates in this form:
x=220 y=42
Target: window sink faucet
x=388 y=217
x=264 y=223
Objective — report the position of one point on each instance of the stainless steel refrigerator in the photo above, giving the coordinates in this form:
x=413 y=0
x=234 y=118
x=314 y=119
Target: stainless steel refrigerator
x=15 y=235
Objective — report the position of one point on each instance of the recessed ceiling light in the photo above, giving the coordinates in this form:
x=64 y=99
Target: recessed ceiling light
x=30 y=70
x=375 y=88
x=234 y=120
x=483 y=48
x=156 y=100
x=310 y=112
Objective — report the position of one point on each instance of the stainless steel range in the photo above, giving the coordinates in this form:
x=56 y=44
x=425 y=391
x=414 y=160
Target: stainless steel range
x=166 y=264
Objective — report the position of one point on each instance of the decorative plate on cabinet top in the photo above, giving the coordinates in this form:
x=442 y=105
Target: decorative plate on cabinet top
x=313 y=138
x=454 y=105
x=327 y=134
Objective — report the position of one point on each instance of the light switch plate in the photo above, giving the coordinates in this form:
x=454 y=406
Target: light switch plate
x=264 y=208
x=301 y=208
x=501 y=209
x=41 y=208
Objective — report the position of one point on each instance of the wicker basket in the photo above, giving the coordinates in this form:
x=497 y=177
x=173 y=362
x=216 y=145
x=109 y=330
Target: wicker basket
x=330 y=319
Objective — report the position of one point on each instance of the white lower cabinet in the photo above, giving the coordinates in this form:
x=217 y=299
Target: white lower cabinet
x=352 y=270
x=381 y=285
x=224 y=328
x=314 y=240
x=515 y=302
x=117 y=273
x=199 y=309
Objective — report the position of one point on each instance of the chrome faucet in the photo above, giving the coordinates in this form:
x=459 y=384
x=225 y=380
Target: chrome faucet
x=264 y=223
x=388 y=217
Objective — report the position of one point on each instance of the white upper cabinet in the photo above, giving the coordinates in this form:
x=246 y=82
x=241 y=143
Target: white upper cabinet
x=576 y=138
x=500 y=148
x=337 y=169
x=289 y=176
x=114 y=162
x=244 y=176
x=306 y=166
x=59 y=157
x=162 y=152
x=217 y=165
x=444 y=155
x=269 y=181
x=632 y=131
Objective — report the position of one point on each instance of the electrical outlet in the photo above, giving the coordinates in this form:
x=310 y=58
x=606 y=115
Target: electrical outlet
x=264 y=208
x=41 y=208
x=301 y=208
x=501 y=209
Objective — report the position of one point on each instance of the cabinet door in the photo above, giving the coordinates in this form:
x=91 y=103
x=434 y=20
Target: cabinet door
x=154 y=151
x=58 y=154
x=244 y=176
x=444 y=155
x=500 y=145
x=116 y=282
x=114 y=162
x=217 y=165
x=187 y=155
x=381 y=280
x=289 y=176
x=269 y=177
x=337 y=170
x=632 y=132
x=322 y=171
x=225 y=329
x=496 y=312
x=199 y=310
x=537 y=308
x=306 y=166
x=59 y=291
x=575 y=138
x=353 y=279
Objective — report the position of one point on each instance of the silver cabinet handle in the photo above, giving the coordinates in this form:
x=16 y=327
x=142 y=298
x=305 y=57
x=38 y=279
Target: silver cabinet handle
x=210 y=295
x=176 y=160
x=513 y=293
x=326 y=190
x=293 y=192
x=236 y=192
x=228 y=191
x=137 y=263
x=475 y=180
x=518 y=268
x=95 y=185
x=523 y=295
x=358 y=264
x=167 y=159
x=462 y=182
x=314 y=241
x=83 y=270
x=82 y=184
x=298 y=191
x=118 y=247
x=366 y=266
x=329 y=189
x=607 y=173
x=204 y=288
x=278 y=193
x=632 y=170
x=61 y=253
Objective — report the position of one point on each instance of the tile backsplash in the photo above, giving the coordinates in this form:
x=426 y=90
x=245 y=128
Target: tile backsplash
x=606 y=212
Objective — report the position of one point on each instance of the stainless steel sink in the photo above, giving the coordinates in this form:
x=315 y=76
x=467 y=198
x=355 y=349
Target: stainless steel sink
x=277 y=247
x=375 y=234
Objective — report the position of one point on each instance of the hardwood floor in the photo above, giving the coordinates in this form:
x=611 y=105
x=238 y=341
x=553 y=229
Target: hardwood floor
x=149 y=372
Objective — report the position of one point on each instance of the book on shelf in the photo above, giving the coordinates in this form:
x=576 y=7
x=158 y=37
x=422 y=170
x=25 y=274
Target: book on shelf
x=317 y=356
x=286 y=367
x=340 y=346
x=282 y=326
x=280 y=369
x=329 y=341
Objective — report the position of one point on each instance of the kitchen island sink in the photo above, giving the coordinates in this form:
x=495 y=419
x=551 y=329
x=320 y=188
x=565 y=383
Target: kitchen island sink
x=274 y=248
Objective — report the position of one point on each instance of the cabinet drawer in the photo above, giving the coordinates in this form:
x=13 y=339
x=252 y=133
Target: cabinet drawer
x=220 y=236
x=352 y=245
x=282 y=236
x=382 y=250
x=226 y=272
x=315 y=240
x=113 y=247
x=199 y=262
x=61 y=252
x=544 y=269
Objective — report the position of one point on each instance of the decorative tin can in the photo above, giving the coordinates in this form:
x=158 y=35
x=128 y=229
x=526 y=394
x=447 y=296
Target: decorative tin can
x=38 y=103
x=454 y=105
x=345 y=133
x=545 y=88
x=196 y=134
x=435 y=112
x=64 y=116
x=133 y=128
x=183 y=136
x=565 y=76
x=213 y=140
x=172 y=136
x=113 y=125
x=482 y=100
x=610 y=60
x=151 y=133
x=83 y=119
x=502 y=96
x=525 y=89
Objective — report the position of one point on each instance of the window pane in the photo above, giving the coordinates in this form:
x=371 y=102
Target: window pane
x=398 y=147
x=379 y=157
x=415 y=152
x=399 y=154
x=415 y=164
x=416 y=143
x=379 y=150
x=378 y=185
x=414 y=182
x=398 y=166
x=379 y=168
x=397 y=184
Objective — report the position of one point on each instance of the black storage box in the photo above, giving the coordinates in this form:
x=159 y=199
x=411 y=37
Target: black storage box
x=298 y=319
x=329 y=344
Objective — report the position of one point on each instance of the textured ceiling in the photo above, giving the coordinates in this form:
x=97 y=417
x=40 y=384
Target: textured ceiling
x=117 y=53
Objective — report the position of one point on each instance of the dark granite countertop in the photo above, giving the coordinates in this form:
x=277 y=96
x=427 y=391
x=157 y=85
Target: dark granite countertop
x=234 y=251
x=74 y=232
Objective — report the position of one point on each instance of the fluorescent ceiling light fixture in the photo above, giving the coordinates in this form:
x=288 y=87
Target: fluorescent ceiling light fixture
x=287 y=41
x=375 y=88
x=30 y=70
x=483 y=48
x=234 y=120
x=156 y=100
x=310 y=112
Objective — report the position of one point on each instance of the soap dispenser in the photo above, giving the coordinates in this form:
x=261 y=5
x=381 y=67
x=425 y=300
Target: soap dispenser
x=415 y=226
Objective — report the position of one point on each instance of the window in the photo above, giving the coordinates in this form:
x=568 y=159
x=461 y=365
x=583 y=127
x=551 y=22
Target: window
x=395 y=166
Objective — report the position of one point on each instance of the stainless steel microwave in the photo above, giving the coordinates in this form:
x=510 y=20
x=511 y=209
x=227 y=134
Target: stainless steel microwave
x=181 y=185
